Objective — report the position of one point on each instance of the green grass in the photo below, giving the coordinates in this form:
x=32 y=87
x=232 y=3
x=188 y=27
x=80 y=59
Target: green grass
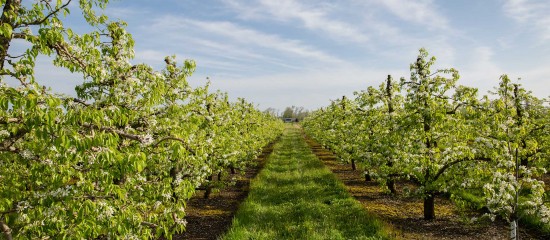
x=296 y=197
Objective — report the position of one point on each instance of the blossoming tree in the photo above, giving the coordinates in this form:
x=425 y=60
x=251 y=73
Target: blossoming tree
x=513 y=132
x=123 y=157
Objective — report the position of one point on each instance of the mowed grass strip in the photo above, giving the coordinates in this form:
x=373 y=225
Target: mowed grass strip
x=296 y=197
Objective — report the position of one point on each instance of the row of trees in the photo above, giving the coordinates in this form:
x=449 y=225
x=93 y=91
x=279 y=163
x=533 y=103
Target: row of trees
x=445 y=138
x=121 y=158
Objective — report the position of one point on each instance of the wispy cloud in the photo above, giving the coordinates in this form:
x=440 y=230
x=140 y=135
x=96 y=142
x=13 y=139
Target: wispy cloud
x=313 y=16
x=531 y=13
x=231 y=32
x=423 y=12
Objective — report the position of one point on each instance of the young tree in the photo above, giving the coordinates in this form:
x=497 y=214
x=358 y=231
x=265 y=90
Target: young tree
x=380 y=110
x=435 y=135
x=514 y=137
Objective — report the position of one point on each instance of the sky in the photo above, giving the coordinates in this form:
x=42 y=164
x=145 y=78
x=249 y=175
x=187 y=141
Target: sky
x=279 y=53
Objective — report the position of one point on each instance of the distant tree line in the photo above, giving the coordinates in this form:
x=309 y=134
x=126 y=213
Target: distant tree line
x=299 y=113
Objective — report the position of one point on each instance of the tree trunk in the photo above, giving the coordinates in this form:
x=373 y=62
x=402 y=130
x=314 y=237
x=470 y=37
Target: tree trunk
x=6 y=230
x=208 y=188
x=524 y=162
x=353 y=167
x=513 y=230
x=9 y=13
x=232 y=170
x=368 y=178
x=391 y=186
x=173 y=174
x=429 y=207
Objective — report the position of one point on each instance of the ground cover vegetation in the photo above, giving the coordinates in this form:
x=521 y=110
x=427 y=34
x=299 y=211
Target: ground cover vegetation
x=490 y=151
x=120 y=157
x=296 y=197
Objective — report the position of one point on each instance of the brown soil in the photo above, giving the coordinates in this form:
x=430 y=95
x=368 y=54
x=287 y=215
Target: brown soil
x=210 y=218
x=404 y=214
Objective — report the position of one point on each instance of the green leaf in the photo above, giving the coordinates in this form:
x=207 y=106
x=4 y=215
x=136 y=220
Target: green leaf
x=7 y=30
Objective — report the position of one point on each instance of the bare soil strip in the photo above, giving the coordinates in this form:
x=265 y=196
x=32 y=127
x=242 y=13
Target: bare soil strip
x=405 y=214
x=208 y=219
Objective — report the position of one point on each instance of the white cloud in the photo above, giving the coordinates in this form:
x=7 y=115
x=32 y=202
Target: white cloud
x=532 y=13
x=314 y=16
x=421 y=12
x=480 y=70
x=123 y=13
x=536 y=80
x=231 y=32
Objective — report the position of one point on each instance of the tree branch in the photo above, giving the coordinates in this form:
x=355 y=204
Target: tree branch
x=454 y=110
x=113 y=130
x=76 y=100
x=9 y=211
x=444 y=168
x=20 y=35
x=40 y=21
x=148 y=224
x=9 y=120
x=62 y=51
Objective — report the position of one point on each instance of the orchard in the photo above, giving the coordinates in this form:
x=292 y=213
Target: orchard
x=446 y=139
x=122 y=156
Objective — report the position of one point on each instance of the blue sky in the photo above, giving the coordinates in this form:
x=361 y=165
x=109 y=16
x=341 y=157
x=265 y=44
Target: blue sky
x=306 y=52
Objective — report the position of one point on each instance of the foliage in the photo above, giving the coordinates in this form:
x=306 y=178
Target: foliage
x=127 y=152
x=445 y=138
x=513 y=136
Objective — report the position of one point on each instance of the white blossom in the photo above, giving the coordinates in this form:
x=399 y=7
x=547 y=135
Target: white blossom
x=181 y=221
x=107 y=213
x=48 y=162
x=57 y=24
x=23 y=218
x=147 y=139
x=113 y=108
x=153 y=122
x=22 y=206
x=27 y=154
x=131 y=237
x=4 y=134
x=157 y=205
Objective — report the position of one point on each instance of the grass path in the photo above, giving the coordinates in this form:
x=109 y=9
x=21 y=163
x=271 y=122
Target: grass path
x=296 y=197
